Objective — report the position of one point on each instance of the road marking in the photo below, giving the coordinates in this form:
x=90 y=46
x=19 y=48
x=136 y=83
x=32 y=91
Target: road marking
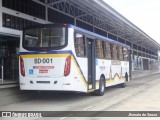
x=144 y=85
x=109 y=99
x=88 y=107
x=63 y=118
x=66 y=117
x=104 y=101
x=114 y=97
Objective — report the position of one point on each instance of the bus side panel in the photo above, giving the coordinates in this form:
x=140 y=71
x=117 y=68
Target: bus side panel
x=78 y=72
x=114 y=73
x=79 y=69
x=102 y=68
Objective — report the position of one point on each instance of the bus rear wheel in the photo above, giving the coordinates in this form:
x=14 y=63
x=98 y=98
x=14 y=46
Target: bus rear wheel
x=101 y=90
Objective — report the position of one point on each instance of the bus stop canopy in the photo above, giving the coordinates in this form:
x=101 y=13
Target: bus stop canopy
x=100 y=15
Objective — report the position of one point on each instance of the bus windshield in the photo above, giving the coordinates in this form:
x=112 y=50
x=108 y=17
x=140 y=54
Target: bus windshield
x=46 y=37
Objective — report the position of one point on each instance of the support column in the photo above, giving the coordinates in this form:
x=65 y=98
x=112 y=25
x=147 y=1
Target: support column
x=132 y=47
x=93 y=29
x=46 y=10
x=75 y=21
x=132 y=59
x=1 y=21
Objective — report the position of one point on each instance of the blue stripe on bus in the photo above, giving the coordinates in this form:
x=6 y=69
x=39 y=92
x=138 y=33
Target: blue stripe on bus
x=48 y=52
x=98 y=36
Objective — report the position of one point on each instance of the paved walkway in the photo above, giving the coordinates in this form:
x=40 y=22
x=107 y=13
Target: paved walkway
x=138 y=74
x=144 y=98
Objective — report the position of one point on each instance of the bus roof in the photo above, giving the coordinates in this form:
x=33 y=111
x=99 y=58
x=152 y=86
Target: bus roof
x=97 y=36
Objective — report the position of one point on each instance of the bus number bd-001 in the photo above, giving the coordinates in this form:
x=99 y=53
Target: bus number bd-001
x=42 y=60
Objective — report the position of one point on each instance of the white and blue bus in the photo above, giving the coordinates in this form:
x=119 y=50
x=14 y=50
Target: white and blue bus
x=63 y=57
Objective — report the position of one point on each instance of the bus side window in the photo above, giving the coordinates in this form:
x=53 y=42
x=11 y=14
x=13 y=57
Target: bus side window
x=106 y=50
x=125 y=53
x=120 y=53
x=99 y=49
x=80 y=45
x=114 y=52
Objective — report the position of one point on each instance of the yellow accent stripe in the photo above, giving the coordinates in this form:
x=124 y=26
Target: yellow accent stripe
x=44 y=55
x=97 y=83
x=92 y=90
x=111 y=81
x=84 y=82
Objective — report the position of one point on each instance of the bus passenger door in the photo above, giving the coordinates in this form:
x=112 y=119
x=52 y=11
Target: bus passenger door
x=91 y=63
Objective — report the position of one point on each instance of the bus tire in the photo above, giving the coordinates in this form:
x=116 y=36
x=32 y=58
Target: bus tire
x=101 y=90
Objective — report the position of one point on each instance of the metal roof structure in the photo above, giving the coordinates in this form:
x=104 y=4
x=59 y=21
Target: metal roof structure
x=100 y=15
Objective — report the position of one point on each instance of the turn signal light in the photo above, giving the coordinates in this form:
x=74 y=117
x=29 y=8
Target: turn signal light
x=67 y=66
x=22 y=66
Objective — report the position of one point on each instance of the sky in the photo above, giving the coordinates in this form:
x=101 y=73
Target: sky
x=145 y=14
